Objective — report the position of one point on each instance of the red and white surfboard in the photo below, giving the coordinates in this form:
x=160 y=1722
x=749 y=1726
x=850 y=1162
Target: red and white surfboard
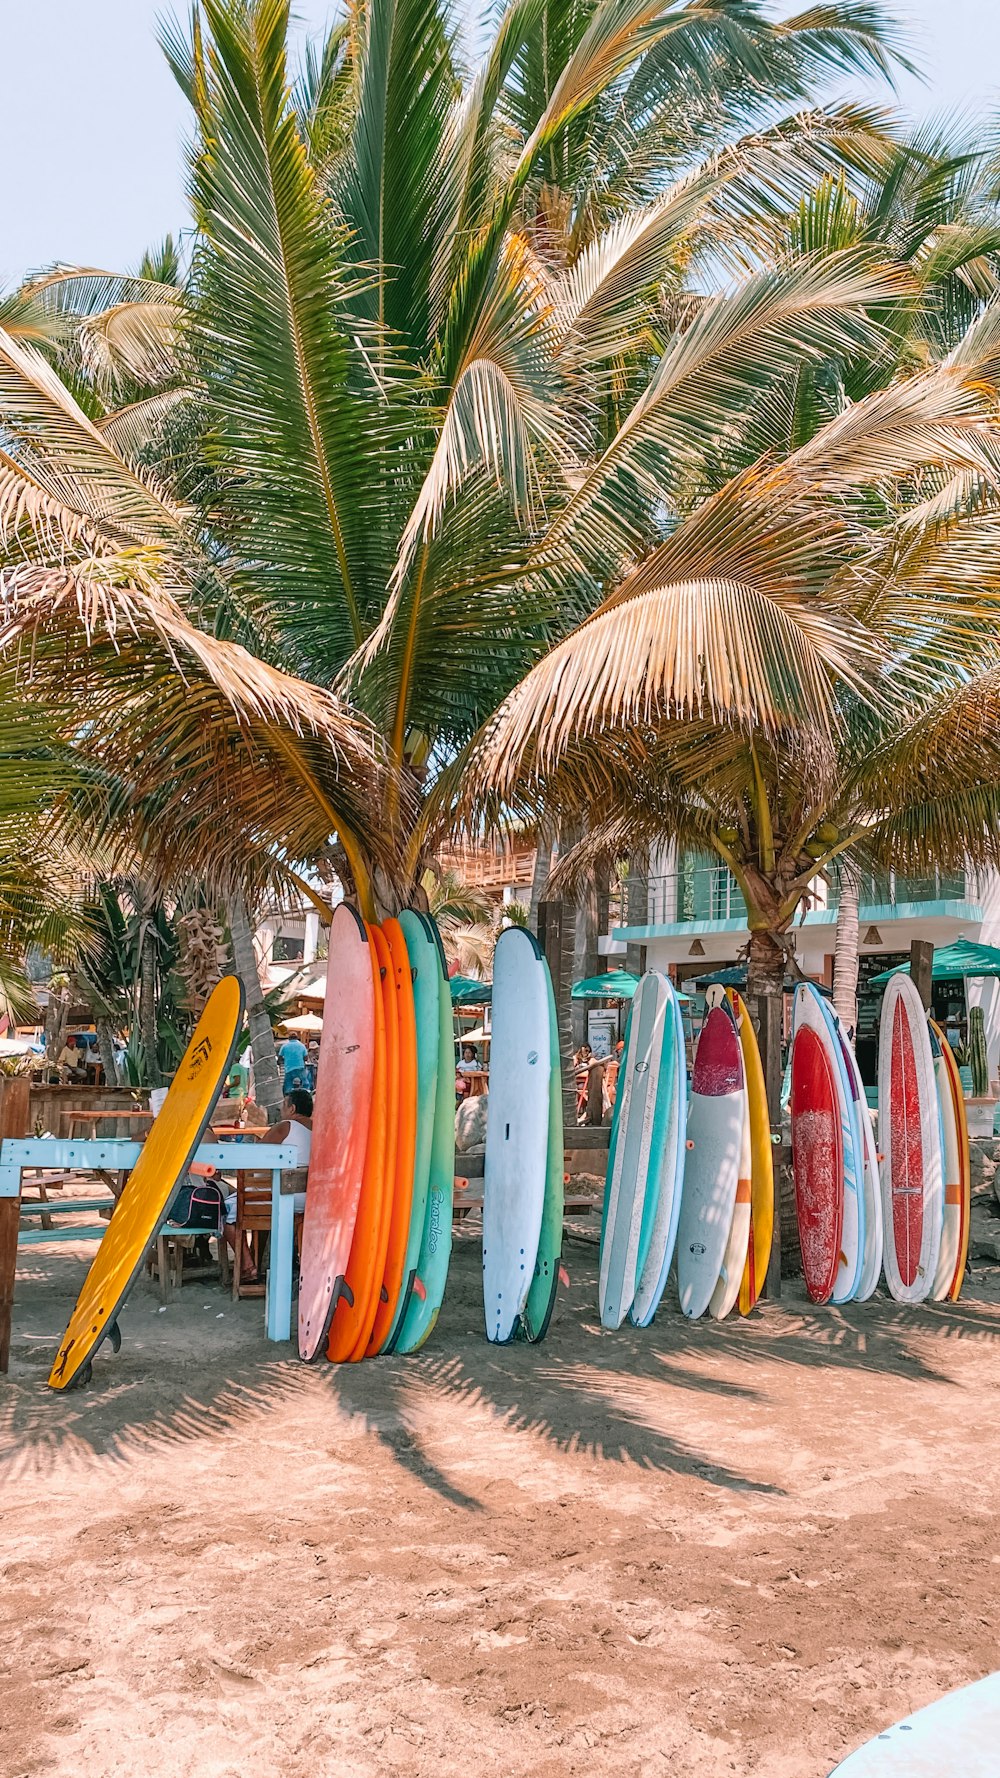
x=817 y=1154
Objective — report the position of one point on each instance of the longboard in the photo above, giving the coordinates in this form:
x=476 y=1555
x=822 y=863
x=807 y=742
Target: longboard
x=426 y=968
x=761 y=1163
x=712 y=1167
x=341 y=1114
x=655 y=1268
x=909 y=1131
x=399 y=1202
x=964 y=1166
x=871 y=1270
x=354 y=1312
x=956 y=1737
x=726 y=1293
x=817 y=1155
x=853 y=1232
x=641 y=1115
x=517 y=1131
x=152 y=1183
x=545 y=1283
x=954 y=1184
x=434 y=1255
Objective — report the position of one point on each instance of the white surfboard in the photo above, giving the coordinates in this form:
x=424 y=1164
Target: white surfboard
x=727 y=1289
x=871 y=1269
x=517 y=1130
x=635 y=1154
x=951 y=1221
x=652 y=1280
x=958 y=1737
x=712 y=1162
x=909 y=1129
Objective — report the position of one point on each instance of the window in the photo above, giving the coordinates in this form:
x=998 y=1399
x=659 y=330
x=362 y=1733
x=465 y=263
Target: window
x=288 y=947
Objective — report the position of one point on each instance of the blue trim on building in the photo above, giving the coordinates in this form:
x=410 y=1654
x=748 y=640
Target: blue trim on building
x=965 y=911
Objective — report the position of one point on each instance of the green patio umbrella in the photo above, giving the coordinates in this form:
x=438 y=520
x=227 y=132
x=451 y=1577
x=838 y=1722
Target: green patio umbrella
x=951 y=964
x=467 y=992
x=617 y=984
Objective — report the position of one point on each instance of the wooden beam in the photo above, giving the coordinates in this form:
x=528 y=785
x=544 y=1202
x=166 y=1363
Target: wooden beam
x=921 y=968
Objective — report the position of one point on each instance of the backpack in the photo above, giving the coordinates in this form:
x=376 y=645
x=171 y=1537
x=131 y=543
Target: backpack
x=198 y=1204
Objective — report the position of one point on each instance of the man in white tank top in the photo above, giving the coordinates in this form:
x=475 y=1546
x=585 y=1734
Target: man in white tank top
x=294 y=1131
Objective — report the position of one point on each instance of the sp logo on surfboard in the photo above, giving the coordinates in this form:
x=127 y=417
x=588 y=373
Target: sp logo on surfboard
x=201 y=1053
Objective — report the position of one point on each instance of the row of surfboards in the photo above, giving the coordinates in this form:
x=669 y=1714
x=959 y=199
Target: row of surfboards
x=687 y=1178
x=376 y=1233
x=900 y=1206
x=691 y=1178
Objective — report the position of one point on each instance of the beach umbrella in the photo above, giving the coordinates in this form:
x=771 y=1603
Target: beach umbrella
x=307 y=1024
x=951 y=964
x=466 y=992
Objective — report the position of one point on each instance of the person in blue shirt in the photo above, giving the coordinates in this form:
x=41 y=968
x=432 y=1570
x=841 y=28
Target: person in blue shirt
x=292 y=1056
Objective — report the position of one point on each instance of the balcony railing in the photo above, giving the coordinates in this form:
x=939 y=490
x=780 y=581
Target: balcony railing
x=483 y=869
x=710 y=892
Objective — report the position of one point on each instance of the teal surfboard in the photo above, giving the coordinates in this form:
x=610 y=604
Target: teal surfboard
x=958 y=1737
x=434 y=1258
x=545 y=1284
x=425 y=963
x=643 y=1106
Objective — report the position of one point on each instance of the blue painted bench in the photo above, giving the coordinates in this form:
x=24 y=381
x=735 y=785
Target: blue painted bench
x=120 y=1156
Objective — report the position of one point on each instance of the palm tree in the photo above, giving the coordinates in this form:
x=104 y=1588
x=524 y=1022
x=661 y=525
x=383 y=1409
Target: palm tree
x=867 y=554
x=442 y=356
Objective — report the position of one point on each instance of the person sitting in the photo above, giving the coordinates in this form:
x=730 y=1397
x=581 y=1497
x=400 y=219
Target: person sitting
x=470 y=1059
x=294 y=1131
x=71 y=1060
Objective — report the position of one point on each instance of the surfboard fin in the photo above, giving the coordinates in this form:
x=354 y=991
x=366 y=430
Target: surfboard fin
x=383 y=1295
x=343 y=1290
x=114 y=1334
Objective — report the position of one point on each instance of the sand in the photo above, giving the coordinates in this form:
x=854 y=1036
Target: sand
x=696 y=1550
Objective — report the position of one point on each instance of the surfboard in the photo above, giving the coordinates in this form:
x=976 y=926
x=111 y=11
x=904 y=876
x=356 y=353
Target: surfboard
x=545 y=1283
x=341 y=1113
x=356 y=1308
x=956 y=1737
x=434 y=1256
x=424 y=973
x=964 y=1167
x=871 y=1269
x=761 y=1162
x=817 y=1152
x=953 y=1184
x=635 y=1153
x=517 y=1131
x=852 y=1236
x=150 y=1188
x=655 y=1269
x=712 y=1162
x=401 y=1188
x=910 y=1141
x=727 y=1289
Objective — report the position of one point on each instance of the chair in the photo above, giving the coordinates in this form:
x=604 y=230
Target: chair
x=253 y=1220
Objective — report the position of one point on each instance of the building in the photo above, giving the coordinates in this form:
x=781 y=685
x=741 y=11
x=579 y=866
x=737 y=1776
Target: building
x=696 y=924
x=287 y=937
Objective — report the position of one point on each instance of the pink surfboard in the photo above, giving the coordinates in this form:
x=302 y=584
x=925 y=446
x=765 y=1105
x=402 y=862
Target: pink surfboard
x=817 y=1161
x=339 y=1128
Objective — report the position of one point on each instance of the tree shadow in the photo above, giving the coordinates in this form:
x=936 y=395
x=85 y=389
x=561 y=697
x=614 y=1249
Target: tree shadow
x=585 y=1390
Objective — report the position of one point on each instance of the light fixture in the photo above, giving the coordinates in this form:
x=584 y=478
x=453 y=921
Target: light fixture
x=697 y=949
x=872 y=937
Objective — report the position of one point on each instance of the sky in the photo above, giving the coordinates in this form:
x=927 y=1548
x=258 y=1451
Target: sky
x=94 y=126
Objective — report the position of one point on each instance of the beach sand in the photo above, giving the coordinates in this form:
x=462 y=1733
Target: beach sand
x=696 y=1550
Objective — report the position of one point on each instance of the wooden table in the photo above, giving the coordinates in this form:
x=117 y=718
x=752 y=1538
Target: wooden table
x=86 y=1118
x=478 y=1079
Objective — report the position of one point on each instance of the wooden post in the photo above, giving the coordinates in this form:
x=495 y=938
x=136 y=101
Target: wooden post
x=13 y=1122
x=921 y=968
x=770 y=1011
x=555 y=935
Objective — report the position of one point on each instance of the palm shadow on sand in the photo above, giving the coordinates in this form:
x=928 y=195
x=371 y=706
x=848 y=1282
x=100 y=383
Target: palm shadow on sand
x=584 y=1390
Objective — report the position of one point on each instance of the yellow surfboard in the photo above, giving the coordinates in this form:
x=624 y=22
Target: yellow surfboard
x=166 y=1153
x=761 y=1163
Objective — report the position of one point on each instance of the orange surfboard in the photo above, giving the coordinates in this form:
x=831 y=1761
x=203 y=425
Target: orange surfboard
x=356 y=1309
x=400 y=1198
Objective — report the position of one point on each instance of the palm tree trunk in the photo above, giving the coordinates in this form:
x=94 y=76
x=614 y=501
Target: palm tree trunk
x=106 y=1050
x=539 y=876
x=266 y=1074
x=845 y=960
x=147 y=1007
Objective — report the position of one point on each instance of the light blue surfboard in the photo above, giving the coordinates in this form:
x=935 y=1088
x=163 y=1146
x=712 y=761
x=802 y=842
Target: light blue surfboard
x=958 y=1737
x=655 y=1269
x=642 y=1114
